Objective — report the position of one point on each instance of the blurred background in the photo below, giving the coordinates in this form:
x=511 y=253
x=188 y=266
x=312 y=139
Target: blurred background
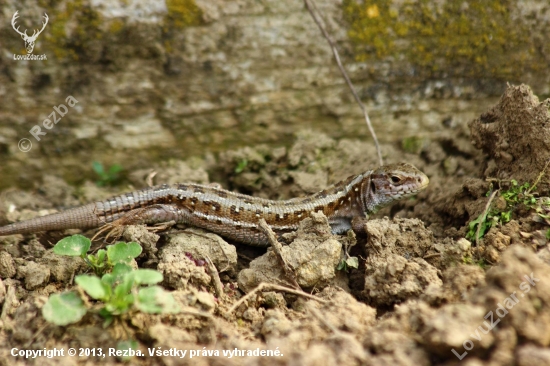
x=156 y=80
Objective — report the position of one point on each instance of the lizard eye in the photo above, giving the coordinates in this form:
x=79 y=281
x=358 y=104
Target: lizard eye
x=373 y=187
x=395 y=179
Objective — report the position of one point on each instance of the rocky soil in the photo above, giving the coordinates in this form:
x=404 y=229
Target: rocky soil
x=422 y=293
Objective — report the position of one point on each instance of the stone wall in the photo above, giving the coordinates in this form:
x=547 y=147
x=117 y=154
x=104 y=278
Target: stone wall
x=159 y=80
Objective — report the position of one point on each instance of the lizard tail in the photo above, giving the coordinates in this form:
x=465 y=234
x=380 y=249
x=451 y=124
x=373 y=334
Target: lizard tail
x=84 y=217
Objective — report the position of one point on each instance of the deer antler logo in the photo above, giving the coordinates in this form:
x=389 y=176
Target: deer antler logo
x=29 y=41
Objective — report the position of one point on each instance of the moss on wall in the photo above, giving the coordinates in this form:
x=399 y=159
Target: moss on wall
x=466 y=37
x=76 y=26
x=183 y=13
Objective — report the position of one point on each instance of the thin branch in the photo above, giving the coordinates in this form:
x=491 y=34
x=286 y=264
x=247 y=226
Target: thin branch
x=538 y=178
x=487 y=206
x=218 y=287
x=278 y=249
x=317 y=314
x=271 y=286
x=310 y=5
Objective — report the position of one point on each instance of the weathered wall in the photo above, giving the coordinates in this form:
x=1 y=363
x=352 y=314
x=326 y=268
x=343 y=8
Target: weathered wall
x=158 y=80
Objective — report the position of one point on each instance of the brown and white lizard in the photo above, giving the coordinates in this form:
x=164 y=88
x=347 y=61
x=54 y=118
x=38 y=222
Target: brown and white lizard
x=233 y=215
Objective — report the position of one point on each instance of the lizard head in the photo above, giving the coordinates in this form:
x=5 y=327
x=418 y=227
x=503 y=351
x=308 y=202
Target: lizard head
x=393 y=182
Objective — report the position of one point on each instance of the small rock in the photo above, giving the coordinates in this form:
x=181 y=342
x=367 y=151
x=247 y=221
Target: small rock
x=147 y=239
x=451 y=326
x=36 y=275
x=463 y=244
x=395 y=271
x=201 y=244
x=62 y=268
x=530 y=354
x=7 y=265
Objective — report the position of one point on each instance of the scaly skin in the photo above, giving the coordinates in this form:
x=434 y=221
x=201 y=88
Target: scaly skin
x=233 y=215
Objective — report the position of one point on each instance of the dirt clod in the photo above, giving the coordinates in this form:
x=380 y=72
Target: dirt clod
x=34 y=274
x=514 y=133
x=395 y=270
x=313 y=254
x=7 y=265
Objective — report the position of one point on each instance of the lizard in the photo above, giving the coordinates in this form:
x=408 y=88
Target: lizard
x=233 y=215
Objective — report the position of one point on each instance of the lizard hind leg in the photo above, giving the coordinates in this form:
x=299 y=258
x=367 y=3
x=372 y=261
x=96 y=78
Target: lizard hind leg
x=164 y=216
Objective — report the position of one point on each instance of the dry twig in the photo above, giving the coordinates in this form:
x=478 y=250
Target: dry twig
x=278 y=248
x=487 y=207
x=149 y=179
x=270 y=286
x=316 y=313
x=541 y=174
x=218 y=287
x=310 y=5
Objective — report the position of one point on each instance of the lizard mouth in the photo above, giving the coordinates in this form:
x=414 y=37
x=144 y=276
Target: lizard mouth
x=424 y=182
x=418 y=185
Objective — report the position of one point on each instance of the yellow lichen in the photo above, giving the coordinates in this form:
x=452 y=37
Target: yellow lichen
x=183 y=13
x=69 y=43
x=75 y=25
x=477 y=36
x=116 y=26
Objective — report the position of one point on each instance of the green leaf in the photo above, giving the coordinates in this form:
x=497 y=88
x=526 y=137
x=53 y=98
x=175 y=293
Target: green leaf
x=129 y=344
x=119 y=270
x=342 y=265
x=75 y=245
x=93 y=286
x=109 y=279
x=124 y=288
x=65 y=308
x=98 y=262
x=120 y=305
x=146 y=276
x=241 y=166
x=122 y=252
x=156 y=300
x=98 y=168
x=352 y=262
x=107 y=316
x=115 y=168
x=101 y=255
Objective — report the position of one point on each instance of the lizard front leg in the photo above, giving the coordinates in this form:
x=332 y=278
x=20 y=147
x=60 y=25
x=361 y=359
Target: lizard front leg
x=358 y=225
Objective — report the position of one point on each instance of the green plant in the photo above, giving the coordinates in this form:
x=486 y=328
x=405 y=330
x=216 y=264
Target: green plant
x=241 y=165
x=123 y=290
x=413 y=144
x=106 y=177
x=105 y=259
x=346 y=264
x=513 y=197
x=481 y=263
x=123 y=347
